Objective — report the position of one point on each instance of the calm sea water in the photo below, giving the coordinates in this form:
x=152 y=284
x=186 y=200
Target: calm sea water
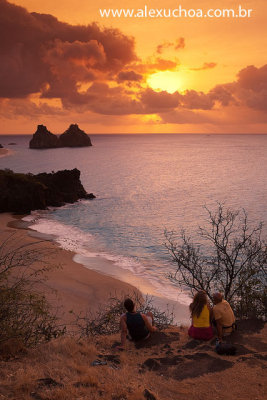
x=145 y=184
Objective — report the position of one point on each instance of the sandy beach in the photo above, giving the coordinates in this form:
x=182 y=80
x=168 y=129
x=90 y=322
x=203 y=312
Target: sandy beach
x=4 y=152
x=77 y=288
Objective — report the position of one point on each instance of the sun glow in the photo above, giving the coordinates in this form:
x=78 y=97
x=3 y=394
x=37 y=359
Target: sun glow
x=169 y=81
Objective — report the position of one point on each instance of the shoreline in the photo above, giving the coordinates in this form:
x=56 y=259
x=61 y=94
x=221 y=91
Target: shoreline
x=115 y=280
x=75 y=288
x=5 y=152
x=106 y=265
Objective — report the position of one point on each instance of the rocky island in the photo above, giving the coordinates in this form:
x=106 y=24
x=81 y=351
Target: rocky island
x=72 y=137
x=43 y=139
x=22 y=193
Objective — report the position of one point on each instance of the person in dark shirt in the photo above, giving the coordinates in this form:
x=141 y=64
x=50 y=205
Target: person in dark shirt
x=138 y=326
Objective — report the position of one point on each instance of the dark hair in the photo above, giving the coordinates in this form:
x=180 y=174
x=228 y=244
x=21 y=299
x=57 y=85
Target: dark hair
x=200 y=299
x=129 y=305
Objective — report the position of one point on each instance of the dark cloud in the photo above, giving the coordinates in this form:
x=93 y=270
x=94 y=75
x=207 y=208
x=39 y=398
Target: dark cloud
x=253 y=78
x=250 y=89
x=36 y=48
x=129 y=76
x=197 y=100
x=102 y=99
x=222 y=94
x=159 y=101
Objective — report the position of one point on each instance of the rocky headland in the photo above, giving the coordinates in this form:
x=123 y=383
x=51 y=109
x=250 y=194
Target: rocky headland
x=72 y=137
x=22 y=193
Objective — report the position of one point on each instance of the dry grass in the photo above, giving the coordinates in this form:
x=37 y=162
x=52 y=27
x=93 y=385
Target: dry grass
x=68 y=363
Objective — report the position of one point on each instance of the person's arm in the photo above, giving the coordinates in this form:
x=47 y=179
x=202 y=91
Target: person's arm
x=123 y=328
x=148 y=324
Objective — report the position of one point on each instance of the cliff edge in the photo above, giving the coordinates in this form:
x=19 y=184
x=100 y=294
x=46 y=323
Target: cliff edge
x=22 y=193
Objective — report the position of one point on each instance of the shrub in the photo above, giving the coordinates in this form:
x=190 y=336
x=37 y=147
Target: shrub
x=25 y=314
x=106 y=320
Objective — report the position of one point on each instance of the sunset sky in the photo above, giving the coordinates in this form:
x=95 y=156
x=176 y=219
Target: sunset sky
x=61 y=63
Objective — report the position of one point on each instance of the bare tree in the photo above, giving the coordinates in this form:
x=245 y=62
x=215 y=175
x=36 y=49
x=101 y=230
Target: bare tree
x=230 y=256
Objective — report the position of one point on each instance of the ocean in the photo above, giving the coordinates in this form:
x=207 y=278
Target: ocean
x=144 y=185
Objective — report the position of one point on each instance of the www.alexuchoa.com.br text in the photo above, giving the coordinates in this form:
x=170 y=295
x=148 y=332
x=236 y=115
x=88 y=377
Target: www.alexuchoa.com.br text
x=179 y=12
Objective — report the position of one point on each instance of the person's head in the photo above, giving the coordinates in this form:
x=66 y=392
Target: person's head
x=129 y=305
x=199 y=301
x=217 y=297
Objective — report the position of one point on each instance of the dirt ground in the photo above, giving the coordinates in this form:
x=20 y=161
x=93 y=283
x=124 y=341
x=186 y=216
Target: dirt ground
x=168 y=366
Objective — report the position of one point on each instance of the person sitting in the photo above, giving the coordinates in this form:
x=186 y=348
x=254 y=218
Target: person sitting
x=223 y=316
x=201 y=317
x=137 y=325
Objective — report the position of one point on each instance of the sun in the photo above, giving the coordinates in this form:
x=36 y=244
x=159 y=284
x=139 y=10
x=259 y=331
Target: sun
x=170 y=81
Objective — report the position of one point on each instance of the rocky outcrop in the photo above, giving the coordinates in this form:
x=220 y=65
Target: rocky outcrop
x=1 y=147
x=74 y=137
x=43 y=139
x=22 y=193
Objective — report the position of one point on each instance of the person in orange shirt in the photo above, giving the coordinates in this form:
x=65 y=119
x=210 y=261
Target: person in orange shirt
x=201 y=314
x=223 y=316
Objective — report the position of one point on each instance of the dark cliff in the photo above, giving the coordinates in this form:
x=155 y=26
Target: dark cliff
x=22 y=193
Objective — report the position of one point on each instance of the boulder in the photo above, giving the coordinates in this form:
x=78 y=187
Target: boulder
x=22 y=193
x=1 y=147
x=74 y=137
x=43 y=139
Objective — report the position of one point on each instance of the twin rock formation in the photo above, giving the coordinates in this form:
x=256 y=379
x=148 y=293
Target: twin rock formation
x=72 y=137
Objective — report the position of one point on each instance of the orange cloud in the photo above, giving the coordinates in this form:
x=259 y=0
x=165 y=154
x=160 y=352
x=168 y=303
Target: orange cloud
x=205 y=66
x=155 y=65
x=179 y=44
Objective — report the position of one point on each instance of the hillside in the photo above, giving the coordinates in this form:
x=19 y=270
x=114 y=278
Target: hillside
x=169 y=366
